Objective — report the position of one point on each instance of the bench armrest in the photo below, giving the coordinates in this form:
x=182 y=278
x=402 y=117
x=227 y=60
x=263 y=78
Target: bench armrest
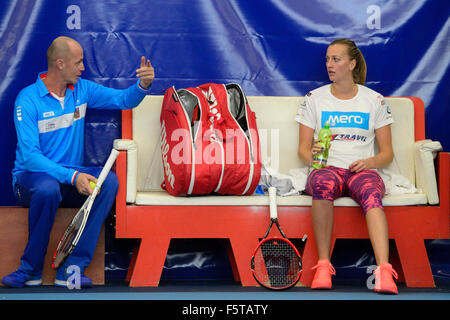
x=425 y=152
x=131 y=148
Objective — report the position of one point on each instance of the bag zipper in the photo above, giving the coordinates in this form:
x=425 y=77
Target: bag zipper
x=193 y=137
x=214 y=139
x=249 y=142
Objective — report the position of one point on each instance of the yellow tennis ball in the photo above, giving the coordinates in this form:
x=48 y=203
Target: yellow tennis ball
x=92 y=183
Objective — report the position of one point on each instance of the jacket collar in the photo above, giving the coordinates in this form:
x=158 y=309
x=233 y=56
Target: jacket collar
x=41 y=86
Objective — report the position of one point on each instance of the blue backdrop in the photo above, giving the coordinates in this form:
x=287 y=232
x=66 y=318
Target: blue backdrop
x=270 y=47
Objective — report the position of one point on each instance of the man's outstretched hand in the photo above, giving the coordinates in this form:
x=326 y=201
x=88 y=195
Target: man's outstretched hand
x=145 y=73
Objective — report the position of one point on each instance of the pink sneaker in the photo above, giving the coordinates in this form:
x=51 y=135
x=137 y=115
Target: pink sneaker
x=384 y=282
x=322 y=277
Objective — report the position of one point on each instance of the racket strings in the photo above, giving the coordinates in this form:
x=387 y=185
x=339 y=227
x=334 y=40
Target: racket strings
x=276 y=263
x=65 y=245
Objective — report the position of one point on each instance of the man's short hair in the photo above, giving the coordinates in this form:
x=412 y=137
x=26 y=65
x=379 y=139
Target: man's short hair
x=59 y=48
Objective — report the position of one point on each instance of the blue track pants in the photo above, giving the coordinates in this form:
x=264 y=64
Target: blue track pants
x=43 y=194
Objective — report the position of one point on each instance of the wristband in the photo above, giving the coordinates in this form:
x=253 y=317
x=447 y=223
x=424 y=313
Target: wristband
x=74 y=177
x=142 y=87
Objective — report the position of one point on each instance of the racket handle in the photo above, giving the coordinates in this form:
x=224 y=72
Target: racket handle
x=273 y=202
x=109 y=163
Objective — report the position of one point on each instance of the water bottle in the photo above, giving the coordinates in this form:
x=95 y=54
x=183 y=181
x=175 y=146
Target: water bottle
x=320 y=159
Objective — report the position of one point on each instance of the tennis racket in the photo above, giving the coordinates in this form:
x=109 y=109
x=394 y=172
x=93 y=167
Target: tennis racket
x=75 y=229
x=276 y=263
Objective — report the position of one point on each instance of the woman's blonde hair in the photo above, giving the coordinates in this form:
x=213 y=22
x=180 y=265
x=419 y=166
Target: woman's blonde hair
x=360 y=70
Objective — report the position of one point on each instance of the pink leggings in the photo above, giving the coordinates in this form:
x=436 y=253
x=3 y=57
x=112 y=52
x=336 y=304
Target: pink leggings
x=365 y=187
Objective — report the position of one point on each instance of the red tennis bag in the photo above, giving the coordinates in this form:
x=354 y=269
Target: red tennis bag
x=209 y=141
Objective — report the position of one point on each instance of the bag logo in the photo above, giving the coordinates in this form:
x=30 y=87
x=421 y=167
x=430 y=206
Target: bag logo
x=213 y=111
x=165 y=150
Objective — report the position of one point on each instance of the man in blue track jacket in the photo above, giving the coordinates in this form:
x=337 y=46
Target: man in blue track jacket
x=49 y=118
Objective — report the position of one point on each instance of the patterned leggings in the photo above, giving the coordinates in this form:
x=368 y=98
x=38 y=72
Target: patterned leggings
x=365 y=187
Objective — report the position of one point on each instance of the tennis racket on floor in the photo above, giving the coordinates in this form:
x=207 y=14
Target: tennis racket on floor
x=75 y=229
x=276 y=263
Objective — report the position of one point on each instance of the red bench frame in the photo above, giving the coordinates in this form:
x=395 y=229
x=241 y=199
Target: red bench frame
x=409 y=226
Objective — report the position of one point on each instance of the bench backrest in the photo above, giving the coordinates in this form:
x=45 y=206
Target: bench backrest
x=278 y=134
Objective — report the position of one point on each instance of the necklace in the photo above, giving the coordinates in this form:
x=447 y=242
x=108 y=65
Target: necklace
x=346 y=95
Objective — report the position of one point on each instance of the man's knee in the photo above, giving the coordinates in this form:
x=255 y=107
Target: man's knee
x=108 y=193
x=45 y=188
x=111 y=183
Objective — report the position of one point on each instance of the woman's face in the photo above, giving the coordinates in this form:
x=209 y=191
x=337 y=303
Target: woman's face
x=338 y=63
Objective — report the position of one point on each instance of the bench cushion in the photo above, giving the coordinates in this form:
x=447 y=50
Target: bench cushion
x=163 y=198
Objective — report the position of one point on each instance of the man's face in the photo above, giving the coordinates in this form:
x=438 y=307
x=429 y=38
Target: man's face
x=73 y=64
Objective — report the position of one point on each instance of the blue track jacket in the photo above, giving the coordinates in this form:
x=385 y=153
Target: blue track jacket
x=51 y=139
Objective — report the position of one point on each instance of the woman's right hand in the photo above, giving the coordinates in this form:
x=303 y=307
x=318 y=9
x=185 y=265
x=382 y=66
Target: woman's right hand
x=316 y=147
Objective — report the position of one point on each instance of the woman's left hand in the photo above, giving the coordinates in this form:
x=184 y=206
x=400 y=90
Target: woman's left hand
x=360 y=165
